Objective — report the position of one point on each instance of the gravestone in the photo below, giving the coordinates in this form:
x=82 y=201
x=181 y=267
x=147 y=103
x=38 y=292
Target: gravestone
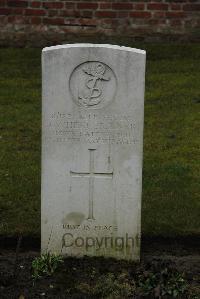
x=92 y=138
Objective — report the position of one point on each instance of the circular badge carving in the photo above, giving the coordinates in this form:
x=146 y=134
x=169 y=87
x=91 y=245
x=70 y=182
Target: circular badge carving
x=93 y=84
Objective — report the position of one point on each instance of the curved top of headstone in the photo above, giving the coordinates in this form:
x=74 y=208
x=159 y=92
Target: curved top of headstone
x=88 y=45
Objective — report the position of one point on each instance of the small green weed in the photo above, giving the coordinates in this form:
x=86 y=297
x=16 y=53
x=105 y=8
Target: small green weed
x=166 y=283
x=45 y=265
x=147 y=282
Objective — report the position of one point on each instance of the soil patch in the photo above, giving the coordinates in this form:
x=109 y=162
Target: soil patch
x=88 y=277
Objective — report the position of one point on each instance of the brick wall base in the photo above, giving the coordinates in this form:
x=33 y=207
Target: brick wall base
x=42 y=22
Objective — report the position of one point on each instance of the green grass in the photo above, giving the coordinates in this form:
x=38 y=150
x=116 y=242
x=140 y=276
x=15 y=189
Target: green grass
x=171 y=203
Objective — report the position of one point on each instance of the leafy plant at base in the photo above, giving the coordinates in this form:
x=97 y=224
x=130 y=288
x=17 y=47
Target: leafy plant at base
x=174 y=284
x=166 y=283
x=45 y=265
x=147 y=282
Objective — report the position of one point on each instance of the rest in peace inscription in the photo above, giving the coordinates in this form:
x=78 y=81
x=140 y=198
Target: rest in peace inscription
x=110 y=240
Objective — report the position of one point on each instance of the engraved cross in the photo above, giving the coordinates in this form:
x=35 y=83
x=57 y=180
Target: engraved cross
x=92 y=175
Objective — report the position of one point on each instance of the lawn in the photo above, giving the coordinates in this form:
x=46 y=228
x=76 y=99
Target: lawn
x=171 y=189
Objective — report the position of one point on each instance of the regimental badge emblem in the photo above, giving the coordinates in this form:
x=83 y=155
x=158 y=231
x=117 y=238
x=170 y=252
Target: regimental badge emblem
x=93 y=84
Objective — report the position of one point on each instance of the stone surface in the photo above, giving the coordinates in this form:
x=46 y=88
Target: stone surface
x=92 y=136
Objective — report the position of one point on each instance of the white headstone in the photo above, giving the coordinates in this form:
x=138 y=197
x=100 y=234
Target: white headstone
x=92 y=139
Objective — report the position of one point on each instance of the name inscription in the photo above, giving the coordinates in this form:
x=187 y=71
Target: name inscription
x=92 y=128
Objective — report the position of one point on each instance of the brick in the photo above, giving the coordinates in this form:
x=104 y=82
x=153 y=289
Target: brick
x=122 y=14
x=105 y=5
x=70 y=13
x=54 y=21
x=17 y=3
x=88 y=22
x=122 y=6
x=139 y=21
x=35 y=4
x=158 y=14
x=109 y=23
x=138 y=6
x=175 y=6
x=34 y=12
x=52 y=13
x=175 y=15
x=5 y=11
x=70 y=5
x=157 y=6
x=87 y=5
x=154 y=22
x=175 y=22
x=86 y=13
x=140 y=14
x=53 y=5
x=191 y=7
x=72 y=22
x=3 y=20
x=105 y=14
x=21 y=20
x=11 y=19
x=36 y=20
x=18 y=11
x=2 y=3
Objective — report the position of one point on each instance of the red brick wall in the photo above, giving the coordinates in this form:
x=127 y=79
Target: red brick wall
x=46 y=22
